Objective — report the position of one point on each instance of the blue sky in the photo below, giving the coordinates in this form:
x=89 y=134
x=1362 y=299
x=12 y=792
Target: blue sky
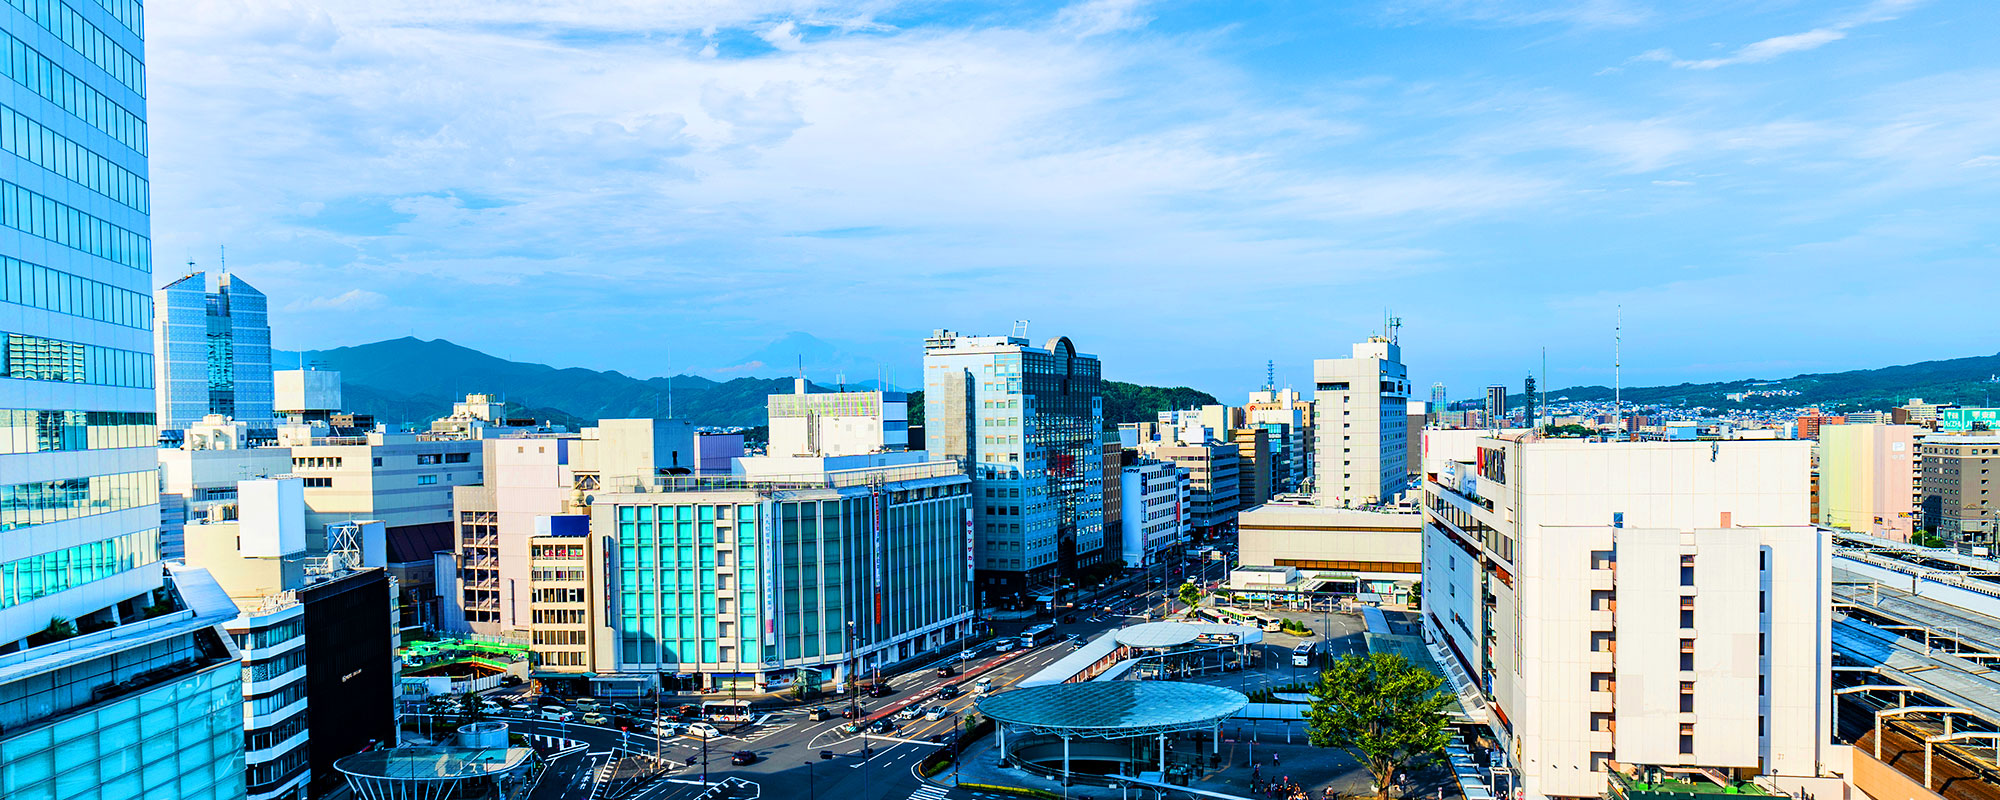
x=1187 y=189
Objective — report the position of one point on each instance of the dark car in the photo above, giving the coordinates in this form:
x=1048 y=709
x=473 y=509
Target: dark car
x=937 y=738
x=948 y=691
x=689 y=711
x=947 y=671
x=742 y=757
x=825 y=755
x=1068 y=618
x=879 y=690
x=849 y=712
x=817 y=713
x=883 y=725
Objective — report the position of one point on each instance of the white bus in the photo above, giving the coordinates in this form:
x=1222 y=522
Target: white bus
x=1038 y=635
x=1302 y=656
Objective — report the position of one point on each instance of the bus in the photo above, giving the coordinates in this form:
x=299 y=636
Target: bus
x=1267 y=623
x=1210 y=615
x=726 y=710
x=1302 y=656
x=1038 y=635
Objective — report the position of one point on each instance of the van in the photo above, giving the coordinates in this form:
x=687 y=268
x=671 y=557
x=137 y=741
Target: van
x=984 y=686
x=557 y=714
x=1003 y=645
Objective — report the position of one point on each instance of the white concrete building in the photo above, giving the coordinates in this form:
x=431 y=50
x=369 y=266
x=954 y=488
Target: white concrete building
x=304 y=391
x=1349 y=550
x=1632 y=605
x=1153 y=520
x=806 y=423
x=1362 y=435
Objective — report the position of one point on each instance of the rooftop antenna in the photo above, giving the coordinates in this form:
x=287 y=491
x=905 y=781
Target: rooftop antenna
x=1617 y=372
x=1395 y=329
x=1544 y=405
x=1020 y=329
x=1270 y=375
x=222 y=258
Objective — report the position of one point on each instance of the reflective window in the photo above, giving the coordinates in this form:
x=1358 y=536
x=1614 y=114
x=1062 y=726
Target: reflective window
x=74 y=30
x=24 y=137
x=37 y=359
x=36 y=431
x=30 y=68
x=35 y=215
x=40 y=287
x=36 y=576
x=43 y=502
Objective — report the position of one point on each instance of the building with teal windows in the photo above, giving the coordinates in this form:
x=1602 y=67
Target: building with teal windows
x=116 y=680
x=807 y=569
x=1028 y=422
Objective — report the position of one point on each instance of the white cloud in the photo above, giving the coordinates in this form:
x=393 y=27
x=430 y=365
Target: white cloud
x=350 y=300
x=1094 y=17
x=1981 y=161
x=1574 y=13
x=1673 y=183
x=1774 y=47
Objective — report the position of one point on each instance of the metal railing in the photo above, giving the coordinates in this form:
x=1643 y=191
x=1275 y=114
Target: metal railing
x=866 y=476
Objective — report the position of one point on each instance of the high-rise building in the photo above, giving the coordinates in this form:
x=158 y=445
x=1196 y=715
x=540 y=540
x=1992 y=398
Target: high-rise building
x=1496 y=406
x=116 y=678
x=1632 y=608
x=1439 y=404
x=1528 y=404
x=214 y=352
x=1154 y=519
x=1360 y=431
x=1026 y=422
x=1868 y=479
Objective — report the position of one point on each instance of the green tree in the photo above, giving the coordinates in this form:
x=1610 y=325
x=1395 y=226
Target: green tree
x=1382 y=710
x=1190 y=595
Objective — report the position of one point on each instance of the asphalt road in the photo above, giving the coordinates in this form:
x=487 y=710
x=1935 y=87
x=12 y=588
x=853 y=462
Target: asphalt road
x=788 y=747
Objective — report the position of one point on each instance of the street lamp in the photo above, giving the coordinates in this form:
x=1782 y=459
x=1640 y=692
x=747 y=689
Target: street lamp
x=812 y=782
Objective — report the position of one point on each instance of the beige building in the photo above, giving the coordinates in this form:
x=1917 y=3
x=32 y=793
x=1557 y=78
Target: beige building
x=1355 y=551
x=1256 y=471
x=1362 y=435
x=1868 y=479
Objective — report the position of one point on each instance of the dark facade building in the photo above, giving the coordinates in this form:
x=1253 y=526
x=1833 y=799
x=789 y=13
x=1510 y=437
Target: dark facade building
x=350 y=669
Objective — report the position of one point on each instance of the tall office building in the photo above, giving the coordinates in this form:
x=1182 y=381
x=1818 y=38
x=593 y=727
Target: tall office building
x=1496 y=406
x=1438 y=404
x=1616 y=610
x=214 y=352
x=116 y=678
x=1026 y=421
x=1362 y=436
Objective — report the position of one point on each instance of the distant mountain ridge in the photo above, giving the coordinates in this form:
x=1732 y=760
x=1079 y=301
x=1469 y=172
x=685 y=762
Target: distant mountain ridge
x=417 y=380
x=1968 y=381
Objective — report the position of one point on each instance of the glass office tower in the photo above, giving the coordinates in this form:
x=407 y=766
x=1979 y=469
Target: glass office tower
x=115 y=679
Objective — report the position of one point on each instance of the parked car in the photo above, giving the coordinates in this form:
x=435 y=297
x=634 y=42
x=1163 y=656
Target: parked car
x=703 y=730
x=594 y=718
x=948 y=691
x=742 y=757
x=557 y=714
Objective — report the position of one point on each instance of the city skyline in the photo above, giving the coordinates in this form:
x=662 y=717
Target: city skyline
x=722 y=169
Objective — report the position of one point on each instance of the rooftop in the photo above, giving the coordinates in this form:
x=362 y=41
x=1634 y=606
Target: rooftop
x=1110 y=709
x=433 y=763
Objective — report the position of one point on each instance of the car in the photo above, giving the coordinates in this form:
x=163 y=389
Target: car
x=967 y=656
x=669 y=728
x=491 y=706
x=702 y=730
x=742 y=757
x=947 y=691
x=825 y=755
x=510 y=680
x=947 y=671
x=621 y=708
x=586 y=704
x=519 y=707
x=1003 y=645
x=557 y=714
x=935 y=712
x=850 y=712
x=936 y=738
x=883 y=725
x=1068 y=618
x=879 y=690
x=817 y=713
x=594 y=718
x=984 y=685
x=910 y=712
x=688 y=711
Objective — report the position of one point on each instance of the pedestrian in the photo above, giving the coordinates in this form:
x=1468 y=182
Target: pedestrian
x=1274 y=760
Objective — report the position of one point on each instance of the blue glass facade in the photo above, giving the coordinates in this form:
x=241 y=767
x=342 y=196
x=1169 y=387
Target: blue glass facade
x=179 y=739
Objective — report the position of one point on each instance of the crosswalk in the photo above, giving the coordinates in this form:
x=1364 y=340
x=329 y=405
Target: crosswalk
x=762 y=732
x=930 y=791
x=555 y=742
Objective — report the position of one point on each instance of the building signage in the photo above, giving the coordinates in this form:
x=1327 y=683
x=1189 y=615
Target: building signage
x=968 y=543
x=610 y=578
x=1959 y=420
x=875 y=517
x=769 y=551
x=1493 y=464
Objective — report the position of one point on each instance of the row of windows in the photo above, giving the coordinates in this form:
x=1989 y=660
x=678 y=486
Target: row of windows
x=271 y=668
x=568 y=552
x=35 y=215
x=560 y=637
x=745 y=513
x=1350 y=566
x=267 y=738
x=560 y=616
x=426 y=459
x=316 y=462
x=41 y=575
x=36 y=286
x=34 y=358
x=265 y=704
x=270 y=636
x=43 y=502
x=539 y=575
x=56 y=85
x=35 y=431
x=24 y=137
x=58 y=18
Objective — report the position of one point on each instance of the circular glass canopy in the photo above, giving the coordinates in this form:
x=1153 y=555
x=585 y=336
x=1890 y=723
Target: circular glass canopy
x=1114 y=708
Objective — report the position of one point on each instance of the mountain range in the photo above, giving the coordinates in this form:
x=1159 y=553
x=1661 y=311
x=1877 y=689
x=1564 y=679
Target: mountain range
x=1968 y=381
x=417 y=380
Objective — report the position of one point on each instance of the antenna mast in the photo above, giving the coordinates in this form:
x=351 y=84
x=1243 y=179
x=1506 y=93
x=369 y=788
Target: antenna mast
x=1271 y=376
x=1617 y=372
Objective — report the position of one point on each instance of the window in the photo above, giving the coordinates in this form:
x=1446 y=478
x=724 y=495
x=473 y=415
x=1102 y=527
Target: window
x=1687 y=570
x=1687 y=655
x=427 y=459
x=457 y=458
x=1687 y=612
x=319 y=483
x=427 y=480
x=1687 y=738
x=1602 y=559
x=1687 y=697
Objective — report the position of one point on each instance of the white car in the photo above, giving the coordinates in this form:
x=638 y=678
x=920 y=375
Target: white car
x=1003 y=645
x=910 y=712
x=556 y=714
x=703 y=730
x=936 y=712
